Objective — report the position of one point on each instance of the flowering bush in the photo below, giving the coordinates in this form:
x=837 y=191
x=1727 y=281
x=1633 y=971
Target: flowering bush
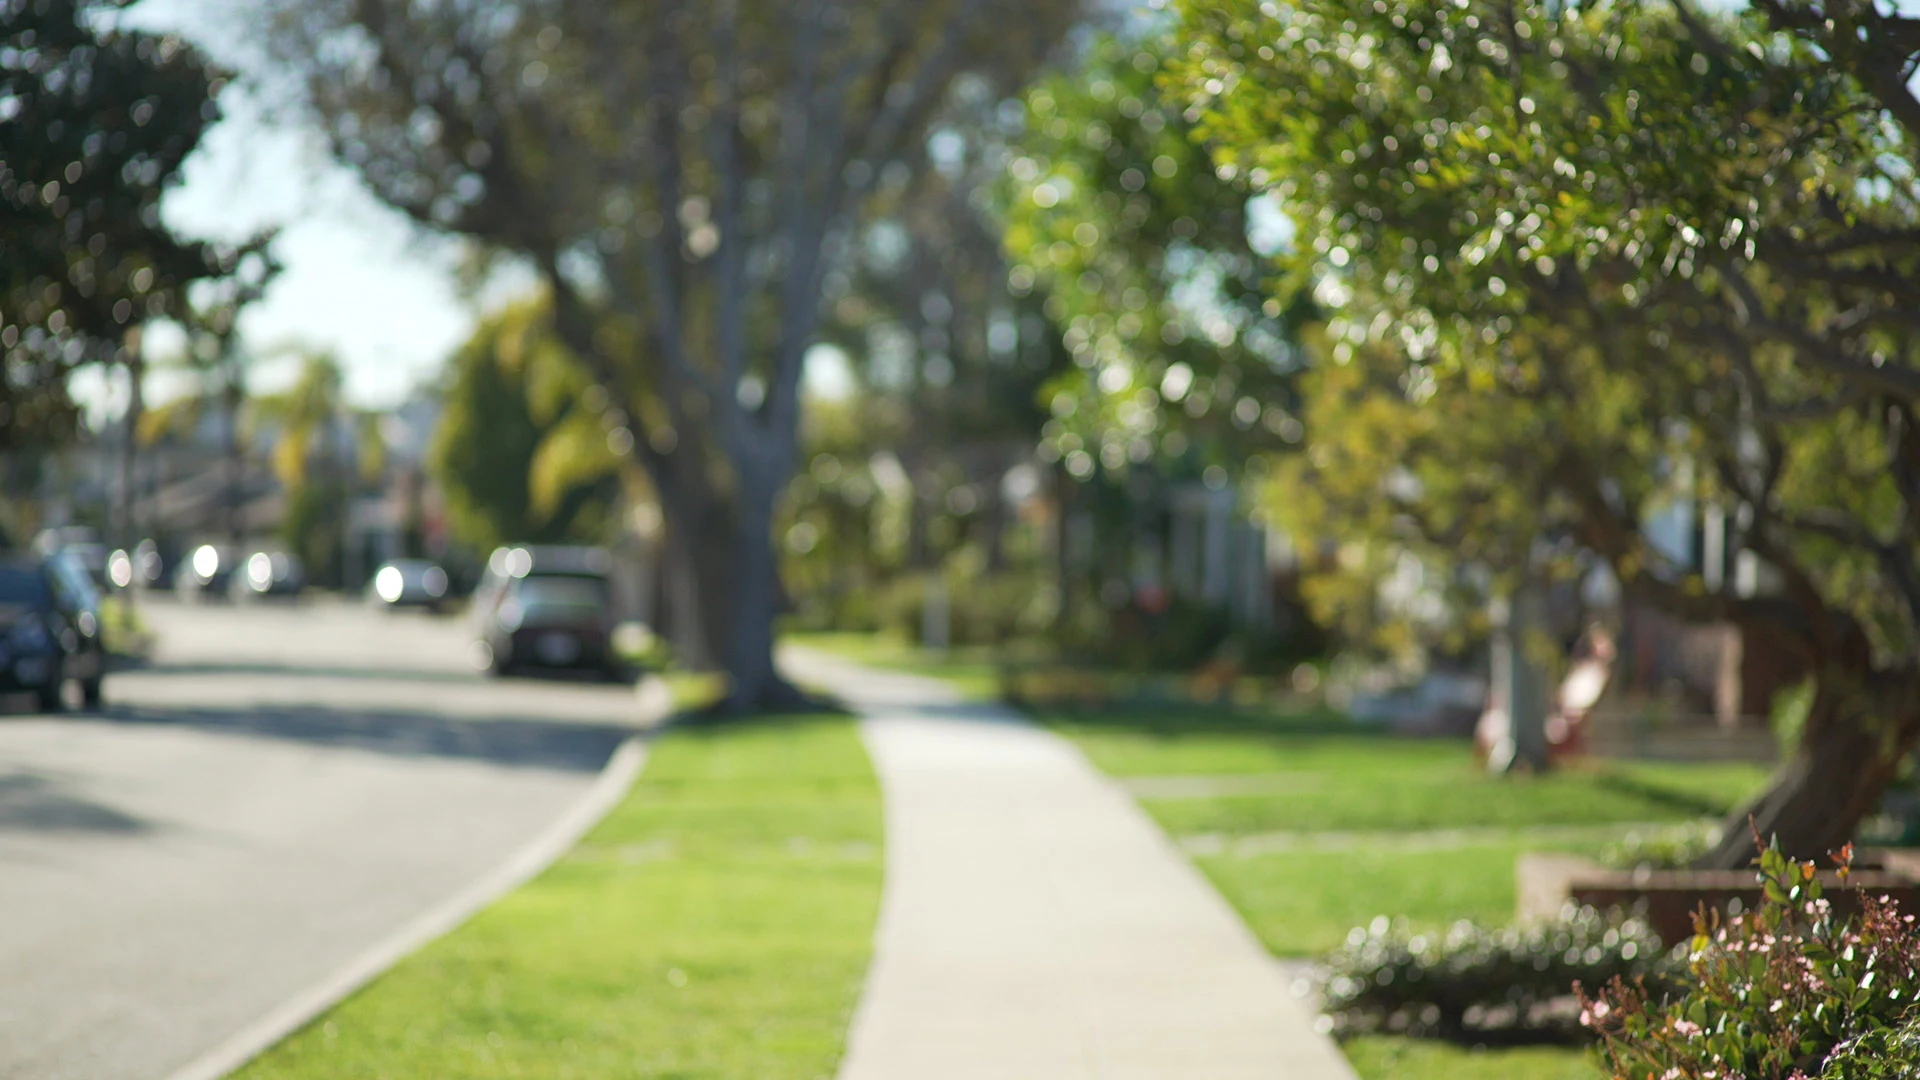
x=1515 y=983
x=1787 y=991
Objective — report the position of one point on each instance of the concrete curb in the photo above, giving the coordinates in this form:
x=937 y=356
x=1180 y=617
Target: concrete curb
x=248 y=1043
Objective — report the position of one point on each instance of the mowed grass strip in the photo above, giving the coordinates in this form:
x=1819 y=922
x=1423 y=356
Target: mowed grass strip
x=1319 y=775
x=1303 y=904
x=716 y=925
x=1384 y=1057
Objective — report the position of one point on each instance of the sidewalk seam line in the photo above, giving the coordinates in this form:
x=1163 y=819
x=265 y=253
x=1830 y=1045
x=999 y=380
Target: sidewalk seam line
x=606 y=791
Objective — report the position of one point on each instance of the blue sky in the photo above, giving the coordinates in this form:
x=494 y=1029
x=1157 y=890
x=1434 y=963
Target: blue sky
x=359 y=280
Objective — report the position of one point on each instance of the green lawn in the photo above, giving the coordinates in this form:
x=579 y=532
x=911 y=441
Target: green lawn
x=1373 y=814
x=1350 y=886
x=1313 y=827
x=716 y=925
x=973 y=671
x=1390 y=1058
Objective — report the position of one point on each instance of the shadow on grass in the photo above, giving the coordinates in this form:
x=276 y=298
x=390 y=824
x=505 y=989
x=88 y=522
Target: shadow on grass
x=1686 y=802
x=1168 y=719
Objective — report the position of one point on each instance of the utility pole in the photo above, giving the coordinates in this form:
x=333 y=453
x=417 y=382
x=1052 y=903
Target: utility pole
x=129 y=526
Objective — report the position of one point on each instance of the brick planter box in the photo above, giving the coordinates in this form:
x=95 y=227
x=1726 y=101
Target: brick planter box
x=1670 y=897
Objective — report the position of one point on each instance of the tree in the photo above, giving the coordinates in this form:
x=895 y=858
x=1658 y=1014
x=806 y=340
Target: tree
x=1580 y=262
x=94 y=125
x=519 y=452
x=1142 y=256
x=1147 y=265
x=309 y=458
x=681 y=176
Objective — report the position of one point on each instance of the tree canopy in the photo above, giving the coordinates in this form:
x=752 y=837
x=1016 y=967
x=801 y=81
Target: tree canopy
x=1141 y=253
x=682 y=176
x=94 y=125
x=519 y=452
x=1580 y=262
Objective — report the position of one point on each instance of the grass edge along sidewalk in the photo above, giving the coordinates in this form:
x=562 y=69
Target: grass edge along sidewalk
x=717 y=923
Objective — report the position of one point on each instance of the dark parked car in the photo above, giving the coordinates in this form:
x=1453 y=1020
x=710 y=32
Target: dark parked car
x=267 y=573
x=546 y=607
x=206 y=572
x=142 y=568
x=49 y=629
x=408 y=583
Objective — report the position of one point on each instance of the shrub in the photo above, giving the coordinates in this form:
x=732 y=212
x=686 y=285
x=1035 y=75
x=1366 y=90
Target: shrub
x=1673 y=848
x=1515 y=983
x=1787 y=991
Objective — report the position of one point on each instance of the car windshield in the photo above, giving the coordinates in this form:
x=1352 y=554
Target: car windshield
x=23 y=585
x=580 y=593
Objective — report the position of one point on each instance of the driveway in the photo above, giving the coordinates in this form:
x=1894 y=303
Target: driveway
x=281 y=789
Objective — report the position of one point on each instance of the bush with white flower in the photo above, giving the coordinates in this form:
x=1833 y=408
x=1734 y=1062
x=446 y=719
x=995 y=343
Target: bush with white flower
x=1787 y=991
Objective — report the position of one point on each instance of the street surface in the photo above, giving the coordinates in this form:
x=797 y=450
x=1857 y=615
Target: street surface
x=279 y=790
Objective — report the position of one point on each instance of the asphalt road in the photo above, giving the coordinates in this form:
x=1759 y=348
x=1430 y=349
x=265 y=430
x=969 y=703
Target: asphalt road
x=280 y=789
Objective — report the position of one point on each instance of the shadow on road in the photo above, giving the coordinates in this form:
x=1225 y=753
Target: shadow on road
x=34 y=802
x=294 y=671
x=522 y=743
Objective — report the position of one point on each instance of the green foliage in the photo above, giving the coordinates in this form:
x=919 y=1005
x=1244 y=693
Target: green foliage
x=97 y=126
x=1474 y=982
x=1787 y=990
x=1393 y=1057
x=1788 y=711
x=1559 y=258
x=1115 y=214
x=520 y=453
x=1673 y=848
x=313 y=527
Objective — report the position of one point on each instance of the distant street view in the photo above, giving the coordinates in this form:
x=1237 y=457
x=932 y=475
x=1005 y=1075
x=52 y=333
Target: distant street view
x=960 y=539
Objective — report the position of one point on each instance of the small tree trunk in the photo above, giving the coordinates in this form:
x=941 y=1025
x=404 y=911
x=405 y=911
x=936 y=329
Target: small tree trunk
x=1850 y=752
x=754 y=682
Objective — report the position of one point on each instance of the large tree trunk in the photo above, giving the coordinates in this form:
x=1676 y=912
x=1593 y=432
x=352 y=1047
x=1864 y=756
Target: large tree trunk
x=754 y=682
x=697 y=567
x=1851 y=750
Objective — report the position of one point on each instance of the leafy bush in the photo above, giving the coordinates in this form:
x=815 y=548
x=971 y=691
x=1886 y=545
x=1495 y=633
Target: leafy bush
x=1787 y=991
x=1516 y=983
x=982 y=609
x=1672 y=848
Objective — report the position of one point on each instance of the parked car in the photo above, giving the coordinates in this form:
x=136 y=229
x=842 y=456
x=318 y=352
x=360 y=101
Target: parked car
x=207 y=572
x=49 y=629
x=546 y=607
x=81 y=544
x=408 y=583
x=267 y=573
x=141 y=568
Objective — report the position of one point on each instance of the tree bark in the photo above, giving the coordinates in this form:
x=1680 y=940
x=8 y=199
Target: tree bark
x=695 y=560
x=1850 y=752
x=754 y=682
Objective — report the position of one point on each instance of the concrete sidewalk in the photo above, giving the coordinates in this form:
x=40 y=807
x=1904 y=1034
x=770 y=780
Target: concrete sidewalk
x=1036 y=925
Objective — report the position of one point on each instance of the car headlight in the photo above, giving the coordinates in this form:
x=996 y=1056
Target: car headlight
x=206 y=561
x=30 y=635
x=389 y=584
x=120 y=569
x=260 y=571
